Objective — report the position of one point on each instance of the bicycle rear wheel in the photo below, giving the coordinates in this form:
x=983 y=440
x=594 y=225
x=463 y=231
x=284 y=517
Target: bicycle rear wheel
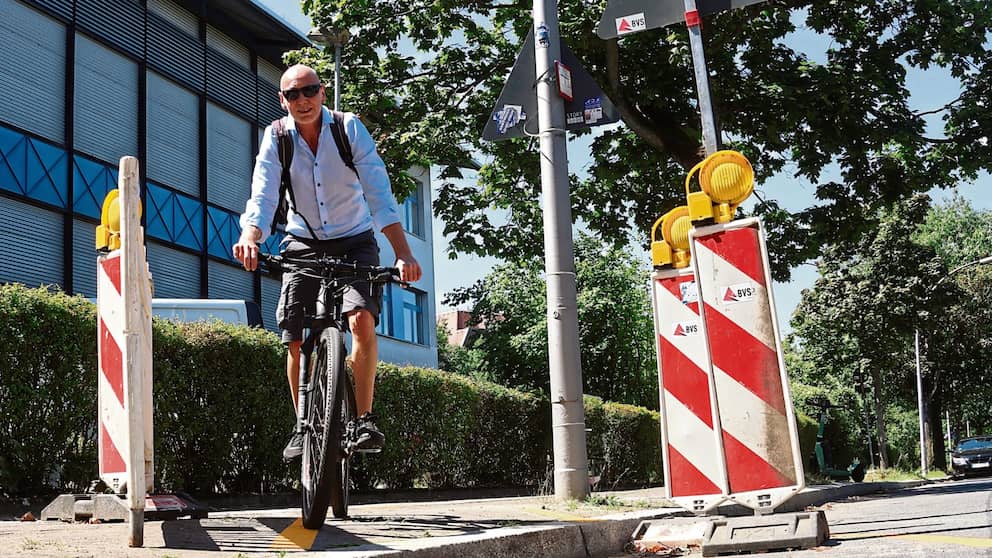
x=342 y=414
x=319 y=443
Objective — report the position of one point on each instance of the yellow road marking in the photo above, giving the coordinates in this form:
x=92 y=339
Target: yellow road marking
x=562 y=516
x=295 y=537
x=938 y=539
x=945 y=539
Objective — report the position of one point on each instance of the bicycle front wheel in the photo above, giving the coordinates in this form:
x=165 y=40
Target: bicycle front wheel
x=342 y=414
x=319 y=442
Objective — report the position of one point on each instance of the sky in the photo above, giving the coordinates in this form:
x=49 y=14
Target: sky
x=929 y=89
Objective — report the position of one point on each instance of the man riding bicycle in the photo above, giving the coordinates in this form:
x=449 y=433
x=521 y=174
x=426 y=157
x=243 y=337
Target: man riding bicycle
x=334 y=208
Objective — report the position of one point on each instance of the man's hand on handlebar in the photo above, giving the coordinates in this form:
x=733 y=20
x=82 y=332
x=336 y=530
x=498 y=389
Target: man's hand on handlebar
x=409 y=268
x=246 y=249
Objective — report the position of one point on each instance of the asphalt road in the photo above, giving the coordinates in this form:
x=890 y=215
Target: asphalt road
x=951 y=519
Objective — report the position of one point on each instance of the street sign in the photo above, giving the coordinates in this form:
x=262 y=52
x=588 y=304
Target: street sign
x=515 y=114
x=629 y=16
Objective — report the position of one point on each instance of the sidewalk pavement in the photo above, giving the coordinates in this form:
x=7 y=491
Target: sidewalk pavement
x=495 y=527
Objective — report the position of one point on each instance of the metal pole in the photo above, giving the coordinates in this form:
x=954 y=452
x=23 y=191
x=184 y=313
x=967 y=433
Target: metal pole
x=710 y=140
x=919 y=402
x=567 y=412
x=947 y=447
x=337 y=76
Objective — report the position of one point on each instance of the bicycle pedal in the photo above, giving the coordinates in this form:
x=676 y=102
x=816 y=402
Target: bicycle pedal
x=366 y=450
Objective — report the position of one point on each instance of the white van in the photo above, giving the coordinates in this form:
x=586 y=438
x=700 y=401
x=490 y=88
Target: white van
x=242 y=312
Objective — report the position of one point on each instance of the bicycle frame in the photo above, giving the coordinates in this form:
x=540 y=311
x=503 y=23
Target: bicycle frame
x=328 y=428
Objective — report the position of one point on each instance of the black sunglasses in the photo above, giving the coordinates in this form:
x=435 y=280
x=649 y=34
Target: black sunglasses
x=307 y=90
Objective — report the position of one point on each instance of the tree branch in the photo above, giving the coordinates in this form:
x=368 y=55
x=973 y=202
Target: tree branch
x=941 y=109
x=677 y=144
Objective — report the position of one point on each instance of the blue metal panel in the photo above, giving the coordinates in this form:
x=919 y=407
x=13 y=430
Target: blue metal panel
x=227 y=281
x=90 y=184
x=84 y=258
x=173 y=149
x=174 y=217
x=32 y=71
x=229 y=159
x=33 y=246
x=61 y=8
x=121 y=23
x=271 y=245
x=106 y=97
x=231 y=83
x=175 y=274
x=223 y=231
x=33 y=168
x=269 y=108
x=175 y=53
x=271 y=289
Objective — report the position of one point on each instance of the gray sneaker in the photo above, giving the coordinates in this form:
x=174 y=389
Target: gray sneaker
x=294 y=448
x=368 y=437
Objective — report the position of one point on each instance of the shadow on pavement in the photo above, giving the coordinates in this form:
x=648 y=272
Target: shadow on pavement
x=360 y=532
x=946 y=487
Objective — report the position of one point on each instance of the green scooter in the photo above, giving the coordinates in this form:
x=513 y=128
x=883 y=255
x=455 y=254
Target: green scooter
x=855 y=471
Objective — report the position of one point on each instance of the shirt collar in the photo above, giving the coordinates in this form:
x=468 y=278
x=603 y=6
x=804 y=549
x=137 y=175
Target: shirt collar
x=325 y=119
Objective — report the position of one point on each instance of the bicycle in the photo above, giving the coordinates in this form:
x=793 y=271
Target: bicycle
x=326 y=410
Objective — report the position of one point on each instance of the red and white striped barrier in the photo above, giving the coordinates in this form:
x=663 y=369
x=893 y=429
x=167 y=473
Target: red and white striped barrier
x=760 y=438
x=124 y=347
x=113 y=433
x=692 y=448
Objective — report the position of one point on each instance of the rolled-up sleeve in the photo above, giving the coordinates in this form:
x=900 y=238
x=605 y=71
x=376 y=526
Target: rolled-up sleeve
x=372 y=174
x=261 y=205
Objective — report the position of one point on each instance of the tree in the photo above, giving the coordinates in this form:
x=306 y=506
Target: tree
x=425 y=76
x=858 y=319
x=958 y=349
x=616 y=332
x=460 y=360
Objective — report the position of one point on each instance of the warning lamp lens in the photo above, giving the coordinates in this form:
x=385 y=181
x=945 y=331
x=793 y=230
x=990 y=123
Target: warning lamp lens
x=675 y=228
x=727 y=177
x=110 y=216
x=114 y=216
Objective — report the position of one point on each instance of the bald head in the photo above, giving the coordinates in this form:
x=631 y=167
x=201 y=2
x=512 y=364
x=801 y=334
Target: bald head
x=299 y=73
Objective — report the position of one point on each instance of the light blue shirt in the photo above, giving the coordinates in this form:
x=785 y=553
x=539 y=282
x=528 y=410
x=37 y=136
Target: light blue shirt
x=334 y=201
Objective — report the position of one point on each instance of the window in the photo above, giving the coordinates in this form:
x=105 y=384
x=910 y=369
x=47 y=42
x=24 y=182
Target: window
x=413 y=316
x=402 y=315
x=412 y=211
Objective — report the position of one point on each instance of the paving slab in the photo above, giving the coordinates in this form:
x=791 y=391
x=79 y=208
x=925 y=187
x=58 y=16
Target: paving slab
x=464 y=527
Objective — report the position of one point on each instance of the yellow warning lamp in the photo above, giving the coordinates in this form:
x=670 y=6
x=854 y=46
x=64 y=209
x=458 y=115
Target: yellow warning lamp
x=726 y=179
x=673 y=247
x=108 y=232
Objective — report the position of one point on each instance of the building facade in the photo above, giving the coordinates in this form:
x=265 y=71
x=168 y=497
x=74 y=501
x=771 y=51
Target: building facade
x=187 y=87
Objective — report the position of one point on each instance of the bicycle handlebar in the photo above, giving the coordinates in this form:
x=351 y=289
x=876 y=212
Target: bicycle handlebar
x=326 y=266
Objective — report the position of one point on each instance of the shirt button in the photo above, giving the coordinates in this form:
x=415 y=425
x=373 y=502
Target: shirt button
x=321 y=203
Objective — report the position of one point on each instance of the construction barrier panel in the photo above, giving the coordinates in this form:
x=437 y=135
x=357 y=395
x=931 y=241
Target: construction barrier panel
x=124 y=347
x=760 y=438
x=692 y=447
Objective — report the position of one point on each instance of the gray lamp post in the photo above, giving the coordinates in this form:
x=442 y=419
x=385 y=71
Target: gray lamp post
x=919 y=369
x=338 y=37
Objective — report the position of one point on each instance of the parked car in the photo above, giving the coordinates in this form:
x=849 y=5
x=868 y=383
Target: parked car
x=972 y=456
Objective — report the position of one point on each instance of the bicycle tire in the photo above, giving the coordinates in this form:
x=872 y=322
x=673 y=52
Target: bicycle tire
x=342 y=414
x=317 y=444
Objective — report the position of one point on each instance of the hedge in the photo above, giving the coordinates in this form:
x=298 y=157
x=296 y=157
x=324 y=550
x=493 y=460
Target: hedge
x=222 y=414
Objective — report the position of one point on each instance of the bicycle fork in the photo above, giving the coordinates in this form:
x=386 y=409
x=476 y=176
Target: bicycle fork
x=303 y=387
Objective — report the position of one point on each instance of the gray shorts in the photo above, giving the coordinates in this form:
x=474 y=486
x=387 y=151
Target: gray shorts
x=299 y=293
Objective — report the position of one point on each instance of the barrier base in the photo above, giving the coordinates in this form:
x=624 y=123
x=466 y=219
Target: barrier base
x=114 y=507
x=767 y=532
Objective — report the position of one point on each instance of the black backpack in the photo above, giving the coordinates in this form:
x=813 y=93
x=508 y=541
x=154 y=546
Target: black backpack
x=287 y=201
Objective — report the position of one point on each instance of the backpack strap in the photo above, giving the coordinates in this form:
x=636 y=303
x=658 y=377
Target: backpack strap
x=285 y=149
x=341 y=140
